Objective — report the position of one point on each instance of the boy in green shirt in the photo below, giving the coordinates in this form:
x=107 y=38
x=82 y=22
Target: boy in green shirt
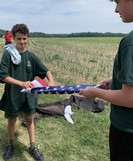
x=17 y=76
x=121 y=94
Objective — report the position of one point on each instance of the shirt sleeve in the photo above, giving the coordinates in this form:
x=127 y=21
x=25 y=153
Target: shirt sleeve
x=125 y=74
x=5 y=66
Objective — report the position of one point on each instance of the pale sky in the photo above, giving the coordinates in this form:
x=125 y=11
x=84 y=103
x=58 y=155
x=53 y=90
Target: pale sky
x=62 y=16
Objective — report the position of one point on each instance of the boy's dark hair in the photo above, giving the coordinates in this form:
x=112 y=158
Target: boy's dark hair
x=20 y=28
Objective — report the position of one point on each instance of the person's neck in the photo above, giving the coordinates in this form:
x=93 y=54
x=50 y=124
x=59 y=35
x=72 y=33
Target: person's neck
x=21 y=50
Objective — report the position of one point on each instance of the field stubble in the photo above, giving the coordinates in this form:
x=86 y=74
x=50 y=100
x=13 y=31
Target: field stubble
x=77 y=60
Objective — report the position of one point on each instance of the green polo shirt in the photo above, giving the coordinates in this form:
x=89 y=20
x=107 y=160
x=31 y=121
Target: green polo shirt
x=13 y=101
x=122 y=117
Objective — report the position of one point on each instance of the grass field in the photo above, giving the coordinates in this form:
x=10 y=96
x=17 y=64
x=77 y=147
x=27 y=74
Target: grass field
x=72 y=61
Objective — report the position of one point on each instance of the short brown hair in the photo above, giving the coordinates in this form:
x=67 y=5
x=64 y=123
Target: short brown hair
x=20 y=28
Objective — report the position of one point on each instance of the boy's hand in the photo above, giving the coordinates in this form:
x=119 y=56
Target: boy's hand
x=89 y=92
x=51 y=83
x=106 y=84
x=27 y=84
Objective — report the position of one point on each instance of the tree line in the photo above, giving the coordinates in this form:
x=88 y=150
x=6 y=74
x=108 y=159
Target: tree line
x=81 y=34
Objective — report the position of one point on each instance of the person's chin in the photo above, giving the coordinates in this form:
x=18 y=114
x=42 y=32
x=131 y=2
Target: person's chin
x=127 y=21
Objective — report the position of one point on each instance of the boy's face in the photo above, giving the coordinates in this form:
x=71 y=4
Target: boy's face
x=125 y=9
x=21 y=41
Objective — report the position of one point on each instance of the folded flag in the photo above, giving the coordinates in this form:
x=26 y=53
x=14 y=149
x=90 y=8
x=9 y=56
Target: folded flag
x=38 y=82
x=60 y=89
x=41 y=87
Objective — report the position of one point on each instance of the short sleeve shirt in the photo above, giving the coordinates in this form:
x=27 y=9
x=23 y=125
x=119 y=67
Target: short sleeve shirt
x=122 y=117
x=13 y=100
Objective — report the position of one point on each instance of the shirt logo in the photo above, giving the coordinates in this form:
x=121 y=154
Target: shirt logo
x=28 y=63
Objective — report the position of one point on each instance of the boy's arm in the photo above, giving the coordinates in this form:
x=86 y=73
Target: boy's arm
x=50 y=78
x=123 y=97
x=11 y=80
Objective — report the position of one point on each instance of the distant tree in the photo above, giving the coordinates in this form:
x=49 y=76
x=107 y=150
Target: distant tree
x=2 y=32
x=81 y=34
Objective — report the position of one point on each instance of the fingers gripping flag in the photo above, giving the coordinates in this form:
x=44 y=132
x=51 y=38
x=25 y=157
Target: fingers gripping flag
x=38 y=82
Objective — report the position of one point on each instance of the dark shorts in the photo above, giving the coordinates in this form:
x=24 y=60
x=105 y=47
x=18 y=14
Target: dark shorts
x=16 y=114
x=26 y=106
x=121 y=145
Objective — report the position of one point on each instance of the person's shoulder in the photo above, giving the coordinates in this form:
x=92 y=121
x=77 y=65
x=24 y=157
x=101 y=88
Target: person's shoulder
x=128 y=39
x=31 y=54
x=129 y=36
x=5 y=51
x=6 y=55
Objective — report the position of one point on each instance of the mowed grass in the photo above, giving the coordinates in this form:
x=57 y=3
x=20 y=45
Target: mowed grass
x=72 y=61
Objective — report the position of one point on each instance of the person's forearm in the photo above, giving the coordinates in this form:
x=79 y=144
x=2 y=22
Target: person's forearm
x=116 y=97
x=50 y=78
x=11 y=80
x=25 y=84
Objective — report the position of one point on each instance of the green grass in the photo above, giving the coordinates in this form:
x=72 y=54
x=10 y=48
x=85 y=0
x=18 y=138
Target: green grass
x=72 y=61
x=86 y=140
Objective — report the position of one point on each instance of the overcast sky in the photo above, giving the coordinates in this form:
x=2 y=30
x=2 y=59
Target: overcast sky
x=62 y=16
